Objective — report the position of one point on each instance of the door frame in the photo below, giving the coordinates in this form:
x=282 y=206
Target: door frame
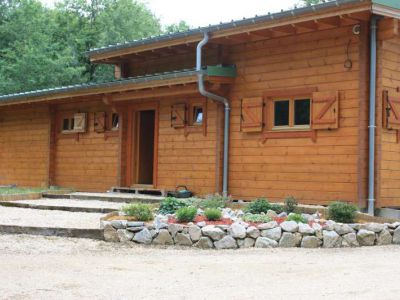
x=131 y=167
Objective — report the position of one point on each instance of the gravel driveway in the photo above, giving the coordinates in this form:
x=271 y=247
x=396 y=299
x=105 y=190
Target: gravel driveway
x=59 y=268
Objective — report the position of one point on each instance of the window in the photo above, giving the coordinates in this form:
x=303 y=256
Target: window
x=291 y=113
x=114 y=121
x=68 y=124
x=74 y=123
x=197 y=115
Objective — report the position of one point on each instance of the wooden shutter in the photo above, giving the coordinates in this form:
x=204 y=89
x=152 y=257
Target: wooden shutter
x=252 y=115
x=99 y=122
x=178 y=115
x=80 y=122
x=391 y=110
x=325 y=110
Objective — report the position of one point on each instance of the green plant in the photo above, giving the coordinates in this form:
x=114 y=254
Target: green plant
x=170 y=205
x=140 y=211
x=186 y=214
x=256 y=218
x=211 y=201
x=261 y=205
x=297 y=218
x=277 y=208
x=342 y=212
x=213 y=214
x=290 y=205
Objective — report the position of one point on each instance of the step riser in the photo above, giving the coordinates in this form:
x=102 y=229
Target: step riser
x=62 y=208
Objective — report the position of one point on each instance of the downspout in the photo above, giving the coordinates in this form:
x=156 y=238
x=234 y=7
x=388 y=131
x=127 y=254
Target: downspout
x=372 y=121
x=220 y=99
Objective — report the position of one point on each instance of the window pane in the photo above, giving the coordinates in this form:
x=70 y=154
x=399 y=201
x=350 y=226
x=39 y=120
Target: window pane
x=65 y=124
x=197 y=115
x=302 y=112
x=115 y=121
x=281 y=113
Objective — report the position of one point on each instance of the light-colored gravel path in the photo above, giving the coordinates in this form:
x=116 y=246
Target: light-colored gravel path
x=73 y=203
x=48 y=218
x=59 y=268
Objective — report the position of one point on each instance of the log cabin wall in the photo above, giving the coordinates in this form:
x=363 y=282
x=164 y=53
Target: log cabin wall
x=24 y=137
x=88 y=161
x=388 y=142
x=313 y=172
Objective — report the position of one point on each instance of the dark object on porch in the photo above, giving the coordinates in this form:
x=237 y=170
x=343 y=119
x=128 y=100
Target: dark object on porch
x=181 y=191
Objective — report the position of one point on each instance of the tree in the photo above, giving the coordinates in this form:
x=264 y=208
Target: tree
x=313 y=2
x=181 y=26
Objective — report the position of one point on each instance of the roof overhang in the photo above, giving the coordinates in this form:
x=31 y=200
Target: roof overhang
x=291 y=17
x=387 y=8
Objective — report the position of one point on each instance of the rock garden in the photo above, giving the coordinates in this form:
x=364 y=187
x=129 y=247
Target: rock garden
x=218 y=223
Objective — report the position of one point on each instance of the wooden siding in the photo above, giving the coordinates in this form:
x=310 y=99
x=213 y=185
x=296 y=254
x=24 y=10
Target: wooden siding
x=312 y=172
x=388 y=171
x=90 y=162
x=24 y=137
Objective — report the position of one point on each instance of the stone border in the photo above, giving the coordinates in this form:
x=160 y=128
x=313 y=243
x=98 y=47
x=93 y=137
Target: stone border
x=16 y=197
x=241 y=235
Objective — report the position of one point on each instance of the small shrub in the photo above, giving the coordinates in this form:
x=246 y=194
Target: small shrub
x=186 y=214
x=277 y=208
x=290 y=205
x=213 y=214
x=140 y=211
x=297 y=218
x=342 y=212
x=212 y=201
x=170 y=205
x=259 y=206
x=256 y=218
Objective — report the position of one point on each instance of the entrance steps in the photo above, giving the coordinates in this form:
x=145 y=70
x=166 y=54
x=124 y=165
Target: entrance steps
x=116 y=197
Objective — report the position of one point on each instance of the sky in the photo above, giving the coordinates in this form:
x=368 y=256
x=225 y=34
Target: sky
x=205 y=12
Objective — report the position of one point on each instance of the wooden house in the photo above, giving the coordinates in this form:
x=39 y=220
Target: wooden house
x=311 y=112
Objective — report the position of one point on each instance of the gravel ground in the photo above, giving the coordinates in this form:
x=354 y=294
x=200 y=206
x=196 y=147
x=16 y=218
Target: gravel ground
x=60 y=268
x=48 y=218
x=73 y=203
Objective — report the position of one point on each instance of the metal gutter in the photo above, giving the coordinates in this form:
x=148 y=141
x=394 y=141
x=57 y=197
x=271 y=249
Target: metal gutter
x=224 y=26
x=220 y=99
x=372 y=110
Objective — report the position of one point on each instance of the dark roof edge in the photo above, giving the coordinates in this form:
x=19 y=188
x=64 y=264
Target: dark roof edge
x=222 y=26
x=15 y=98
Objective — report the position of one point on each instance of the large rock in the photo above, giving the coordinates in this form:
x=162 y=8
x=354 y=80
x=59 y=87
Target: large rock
x=195 y=233
x=269 y=225
x=342 y=229
x=272 y=214
x=289 y=226
x=394 y=225
x=183 y=239
x=119 y=224
x=135 y=224
x=273 y=234
x=125 y=235
x=366 y=237
x=204 y=243
x=329 y=225
x=163 y=238
x=384 y=238
x=143 y=237
x=289 y=240
x=306 y=229
x=264 y=242
x=135 y=229
x=375 y=227
x=331 y=239
x=227 y=242
x=237 y=231
x=396 y=236
x=350 y=240
x=246 y=243
x=213 y=232
x=311 y=242
x=110 y=234
x=174 y=229
x=253 y=232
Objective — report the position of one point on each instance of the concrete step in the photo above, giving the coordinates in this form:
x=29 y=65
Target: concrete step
x=116 y=197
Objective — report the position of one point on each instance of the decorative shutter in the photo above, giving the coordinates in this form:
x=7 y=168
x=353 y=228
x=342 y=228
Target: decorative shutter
x=325 y=110
x=80 y=122
x=391 y=110
x=251 y=119
x=178 y=115
x=99 y=122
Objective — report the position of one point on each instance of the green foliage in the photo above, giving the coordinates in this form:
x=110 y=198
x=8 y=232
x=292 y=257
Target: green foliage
x=181 y=26
x=186 y=214
x=297 y=218
x=170 y=205
x=290 y=205
x=256 y=218
x=277 y=208
x=342 y=212
x=261 y=205
x=313 y=2
x=213 y=214
x=140 y=211
x=211 y=201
